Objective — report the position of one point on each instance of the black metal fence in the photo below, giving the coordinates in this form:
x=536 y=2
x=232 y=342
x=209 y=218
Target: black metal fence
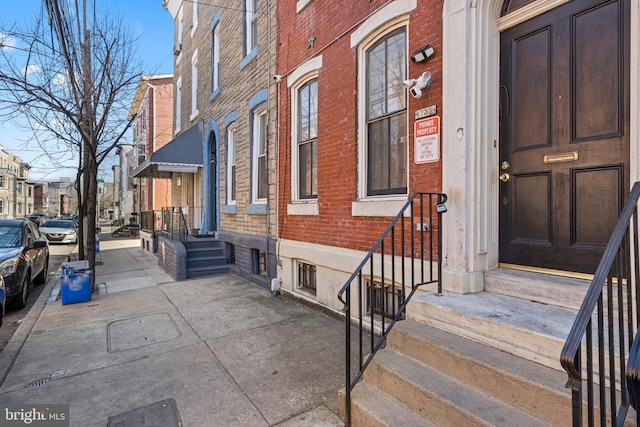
x=405 y=257
x=174 y=225
x=598 y=345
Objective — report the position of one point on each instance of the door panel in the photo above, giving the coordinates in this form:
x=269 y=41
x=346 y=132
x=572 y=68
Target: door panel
x=564 y=134
x=596 y=208
x=532 y=207
x=531 y=90
x=597 y=88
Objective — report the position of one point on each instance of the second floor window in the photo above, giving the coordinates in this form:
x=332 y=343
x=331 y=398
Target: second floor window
x=215 y=58
x=259 y=157
x=194 y=85
x=386 y=115
x=308 y=140
x=231 y=167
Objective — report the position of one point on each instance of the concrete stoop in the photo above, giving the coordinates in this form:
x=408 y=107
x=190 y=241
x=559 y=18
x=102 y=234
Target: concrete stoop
x=426 y=376
x=205 y=258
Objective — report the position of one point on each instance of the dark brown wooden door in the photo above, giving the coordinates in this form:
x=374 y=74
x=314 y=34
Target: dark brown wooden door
x=564 y=132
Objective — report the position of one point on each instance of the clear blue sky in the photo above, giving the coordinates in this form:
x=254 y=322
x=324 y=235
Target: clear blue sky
x=146 y=19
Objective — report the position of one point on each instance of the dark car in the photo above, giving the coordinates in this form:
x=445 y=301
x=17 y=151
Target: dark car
x=38 y=218
x=24 y=259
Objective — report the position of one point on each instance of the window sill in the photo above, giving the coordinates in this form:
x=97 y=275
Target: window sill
x=229 y=209
x=378 y=208
x=310 y=209
x=214 y=94
x=247 y=59
x=194 y=115
x=257 y=209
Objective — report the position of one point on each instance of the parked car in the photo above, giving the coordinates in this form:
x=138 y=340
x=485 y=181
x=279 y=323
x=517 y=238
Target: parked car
x=3 y=298
x=38 y=218
x=59 y=231
x=24 y=259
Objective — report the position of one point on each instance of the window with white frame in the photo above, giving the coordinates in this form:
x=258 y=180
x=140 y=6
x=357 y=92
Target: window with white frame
x=1 y=206
x=259 y=160
x=179 y=35
x=194 y=22
x=307 y=140
x=178 y=104
x=215 y=58
x=386 y=115
x=1 y=181
x=250 y=25
x=194 y=85
x=231 y=166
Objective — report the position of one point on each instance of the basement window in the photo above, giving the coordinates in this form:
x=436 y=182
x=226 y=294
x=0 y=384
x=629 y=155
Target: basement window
x=383 y=299
x=259 y=263
x=307 y=277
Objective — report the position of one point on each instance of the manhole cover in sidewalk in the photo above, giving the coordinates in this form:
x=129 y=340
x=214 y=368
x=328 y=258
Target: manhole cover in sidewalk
x=160 y=414
x=141 y=331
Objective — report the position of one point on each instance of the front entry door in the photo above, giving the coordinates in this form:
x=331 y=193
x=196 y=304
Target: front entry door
x=564 y=132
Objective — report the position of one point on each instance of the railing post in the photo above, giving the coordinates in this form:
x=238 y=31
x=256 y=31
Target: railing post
x=347 y=325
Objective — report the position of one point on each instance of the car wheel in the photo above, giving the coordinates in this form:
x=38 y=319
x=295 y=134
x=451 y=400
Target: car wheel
x=21 y=300
x=42 y=277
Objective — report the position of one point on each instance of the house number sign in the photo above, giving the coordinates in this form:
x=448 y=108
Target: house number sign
x=426 y=137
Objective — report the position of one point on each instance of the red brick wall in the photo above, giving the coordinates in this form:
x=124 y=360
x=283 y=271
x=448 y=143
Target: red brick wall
x=332 y=22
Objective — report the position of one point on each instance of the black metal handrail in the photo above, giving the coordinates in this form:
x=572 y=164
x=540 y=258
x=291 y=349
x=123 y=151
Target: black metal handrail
x=381 y=295
x=174 y=224
x=612 y=304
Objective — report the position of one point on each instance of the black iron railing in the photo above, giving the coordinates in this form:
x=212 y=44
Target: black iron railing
x=405 y=257
x=174 y=225
x=147 y=219
x=595 y=353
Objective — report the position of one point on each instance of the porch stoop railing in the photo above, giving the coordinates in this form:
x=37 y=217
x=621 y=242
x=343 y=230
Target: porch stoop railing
x=174 y=224
x=380 y=286
x=603 y=334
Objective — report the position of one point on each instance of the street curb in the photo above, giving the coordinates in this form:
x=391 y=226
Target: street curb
x=15 y=344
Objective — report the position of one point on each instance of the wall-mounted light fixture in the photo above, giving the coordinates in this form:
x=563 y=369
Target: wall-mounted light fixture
x=416 y=86
x=422 y=54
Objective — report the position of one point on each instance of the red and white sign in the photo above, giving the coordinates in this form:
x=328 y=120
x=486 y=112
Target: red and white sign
x=426 y=135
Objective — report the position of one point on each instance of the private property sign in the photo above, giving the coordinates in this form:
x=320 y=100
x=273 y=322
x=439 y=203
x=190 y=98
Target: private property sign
x=426 y=135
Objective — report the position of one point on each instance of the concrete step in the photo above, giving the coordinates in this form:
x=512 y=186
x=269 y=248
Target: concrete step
x=204 y=243
x=544 y=288
x=373 y=408
x=205 y=252
x=205 y=261
x=207 y=271
x=528 y=329
x=523 y=385
x=438 y=398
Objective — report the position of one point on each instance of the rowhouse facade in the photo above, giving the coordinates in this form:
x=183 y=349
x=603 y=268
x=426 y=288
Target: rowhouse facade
x=225 y=60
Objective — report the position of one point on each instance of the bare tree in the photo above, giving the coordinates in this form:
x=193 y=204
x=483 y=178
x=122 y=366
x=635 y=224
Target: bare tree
x=72 y=77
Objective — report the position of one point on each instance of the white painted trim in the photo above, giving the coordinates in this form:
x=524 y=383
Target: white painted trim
x=527 y=12
x=309 y=209
x=382 y=17
x=301 y=4
x=313 y=64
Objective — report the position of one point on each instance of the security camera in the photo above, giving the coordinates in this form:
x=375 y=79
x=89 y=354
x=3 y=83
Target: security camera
x=277 y=78
x=416 y=92
x=421 y=83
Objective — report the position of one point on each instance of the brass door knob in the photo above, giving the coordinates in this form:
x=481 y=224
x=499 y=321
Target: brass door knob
x=504 y=177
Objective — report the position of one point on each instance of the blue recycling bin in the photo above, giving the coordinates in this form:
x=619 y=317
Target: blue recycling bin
x=75 y=287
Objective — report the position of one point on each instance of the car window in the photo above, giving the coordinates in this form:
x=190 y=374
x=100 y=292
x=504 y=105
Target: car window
x=10 y=236
x=34 y=231
x=59 y=224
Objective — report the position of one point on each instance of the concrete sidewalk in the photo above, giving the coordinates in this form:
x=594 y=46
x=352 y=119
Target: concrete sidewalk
x=207 y=352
